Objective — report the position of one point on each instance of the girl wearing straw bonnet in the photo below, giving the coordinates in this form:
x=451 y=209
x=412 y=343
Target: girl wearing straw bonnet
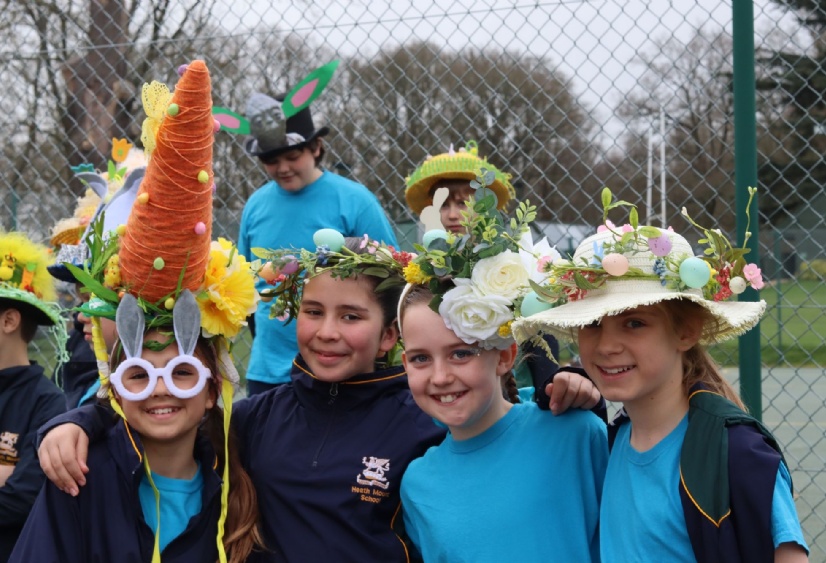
x=691 y=476
x=167 y=483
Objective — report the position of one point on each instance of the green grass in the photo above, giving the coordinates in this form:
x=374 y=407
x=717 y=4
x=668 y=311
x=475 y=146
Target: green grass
x=793 y=331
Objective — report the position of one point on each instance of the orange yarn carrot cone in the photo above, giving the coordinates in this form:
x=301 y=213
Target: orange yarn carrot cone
x=170 y=227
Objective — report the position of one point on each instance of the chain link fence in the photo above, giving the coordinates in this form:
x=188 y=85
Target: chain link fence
x=569 y=96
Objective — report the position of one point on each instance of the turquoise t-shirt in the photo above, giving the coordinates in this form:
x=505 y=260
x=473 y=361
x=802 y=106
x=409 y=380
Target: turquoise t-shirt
x=275 y=218
x=641 y=516
x=466 y=501
x=181 y=499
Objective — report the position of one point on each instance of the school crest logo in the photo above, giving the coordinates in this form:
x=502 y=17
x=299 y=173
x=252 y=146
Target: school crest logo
x=373 y=473
x=8 y=452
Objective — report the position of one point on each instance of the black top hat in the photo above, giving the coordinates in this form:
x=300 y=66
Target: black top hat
x=272 y=133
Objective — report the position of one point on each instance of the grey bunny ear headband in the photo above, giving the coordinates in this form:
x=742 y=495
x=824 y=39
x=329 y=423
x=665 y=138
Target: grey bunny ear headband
x=184 y=376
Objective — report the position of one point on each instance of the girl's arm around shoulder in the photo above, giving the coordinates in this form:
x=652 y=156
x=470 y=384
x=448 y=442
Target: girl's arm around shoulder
x=54 y=530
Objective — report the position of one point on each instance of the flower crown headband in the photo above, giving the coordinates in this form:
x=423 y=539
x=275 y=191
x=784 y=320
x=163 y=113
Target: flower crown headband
x=480 y=280
x=722 y=270
x=288 y=269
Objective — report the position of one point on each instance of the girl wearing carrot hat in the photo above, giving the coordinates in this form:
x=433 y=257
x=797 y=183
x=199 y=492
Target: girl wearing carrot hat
x=167 y=477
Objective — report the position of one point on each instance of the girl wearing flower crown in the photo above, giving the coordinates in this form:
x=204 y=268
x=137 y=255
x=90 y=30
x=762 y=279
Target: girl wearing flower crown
x=456 y=380
x=691 y=476
x=438 y=191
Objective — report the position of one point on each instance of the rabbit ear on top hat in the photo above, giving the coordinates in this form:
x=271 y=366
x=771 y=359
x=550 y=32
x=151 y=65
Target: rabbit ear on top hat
x=284 y=123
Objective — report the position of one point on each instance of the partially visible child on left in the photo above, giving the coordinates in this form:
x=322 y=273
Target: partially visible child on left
x=27 y=398
x=458 y=499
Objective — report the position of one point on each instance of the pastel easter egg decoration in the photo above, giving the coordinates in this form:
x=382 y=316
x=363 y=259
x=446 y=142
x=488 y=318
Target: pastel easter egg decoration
x=433 y=235
x=173 y=110
x=159 y=263
x=290 y=267
x=169 y=304
x=615 y=264
x=268 y=273
x=143 y=198
x=330 y=238
x=182 y=69
x=532 y=304
x=694 y=272
x=200 y=228
x=267 y=295
x=660 y=246
x=216 y=125
x=120 y=230
x=737 y=285
x=203 y=176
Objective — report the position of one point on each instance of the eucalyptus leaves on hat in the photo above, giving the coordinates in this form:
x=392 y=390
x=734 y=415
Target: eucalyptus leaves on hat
x=480 y=279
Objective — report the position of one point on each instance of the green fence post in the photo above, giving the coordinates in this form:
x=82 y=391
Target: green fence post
x=745 y=175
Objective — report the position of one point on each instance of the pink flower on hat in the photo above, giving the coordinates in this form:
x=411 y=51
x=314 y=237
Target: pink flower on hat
x=608 y=225
x=542 y=264
x=753 y=275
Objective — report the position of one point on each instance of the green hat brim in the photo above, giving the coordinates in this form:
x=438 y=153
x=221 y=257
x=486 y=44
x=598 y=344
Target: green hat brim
x=97 y=307
x=46 y=314
x=418 y=195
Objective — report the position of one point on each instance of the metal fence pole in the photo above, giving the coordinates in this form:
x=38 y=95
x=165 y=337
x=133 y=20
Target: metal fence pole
x=745 y=175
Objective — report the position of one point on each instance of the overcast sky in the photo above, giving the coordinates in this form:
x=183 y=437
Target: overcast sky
x=595 y=42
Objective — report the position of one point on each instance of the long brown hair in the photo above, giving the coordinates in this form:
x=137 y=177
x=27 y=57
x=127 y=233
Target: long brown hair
x=241 y=534
x=698 y=365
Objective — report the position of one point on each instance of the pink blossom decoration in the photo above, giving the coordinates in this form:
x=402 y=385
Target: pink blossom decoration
x=753 y=274
x=608 y=225
x=626 y=228
x=542 y=263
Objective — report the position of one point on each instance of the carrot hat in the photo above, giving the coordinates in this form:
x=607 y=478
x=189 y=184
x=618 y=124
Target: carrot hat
x=161 y=269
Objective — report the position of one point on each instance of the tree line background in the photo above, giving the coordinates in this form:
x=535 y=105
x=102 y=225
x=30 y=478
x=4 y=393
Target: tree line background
x=73 y=69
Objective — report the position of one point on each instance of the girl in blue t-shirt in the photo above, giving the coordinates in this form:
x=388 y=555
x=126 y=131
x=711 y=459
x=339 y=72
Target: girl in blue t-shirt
x=455 y=506
x=691 y=476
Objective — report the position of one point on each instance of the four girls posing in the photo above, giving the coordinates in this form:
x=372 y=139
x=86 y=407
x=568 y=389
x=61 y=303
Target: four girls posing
x=333 y=455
